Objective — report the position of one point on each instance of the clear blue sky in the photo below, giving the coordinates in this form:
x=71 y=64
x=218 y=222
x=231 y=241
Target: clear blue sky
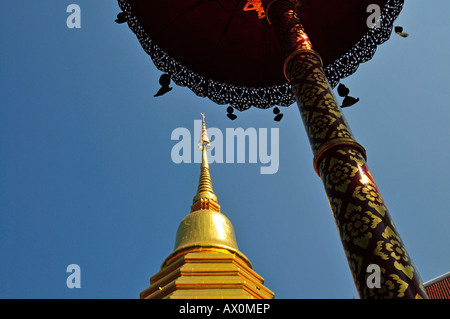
x=87 y=176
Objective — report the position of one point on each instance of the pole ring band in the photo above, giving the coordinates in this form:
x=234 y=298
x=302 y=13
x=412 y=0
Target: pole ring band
x=298 y=52
x=266 y=9
x=296 y=3
x=333 y=143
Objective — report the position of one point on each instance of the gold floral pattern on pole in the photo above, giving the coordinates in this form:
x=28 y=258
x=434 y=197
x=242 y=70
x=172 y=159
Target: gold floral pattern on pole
x=358 y=226
x=393 y=249
x=339 y=175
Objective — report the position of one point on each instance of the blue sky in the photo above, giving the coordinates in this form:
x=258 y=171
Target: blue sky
x=87 y=177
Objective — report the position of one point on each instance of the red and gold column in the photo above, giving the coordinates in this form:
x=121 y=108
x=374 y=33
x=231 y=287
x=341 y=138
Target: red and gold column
x=367 y=232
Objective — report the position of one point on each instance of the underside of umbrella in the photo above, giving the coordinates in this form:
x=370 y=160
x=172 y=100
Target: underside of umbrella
x=227 y=51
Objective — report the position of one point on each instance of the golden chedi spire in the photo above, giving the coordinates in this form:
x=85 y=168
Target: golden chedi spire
x=206 y=261
x=205 y=197
x=205 y=226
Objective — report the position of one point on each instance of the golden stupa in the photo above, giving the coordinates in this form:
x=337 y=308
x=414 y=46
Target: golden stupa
x=206 y=262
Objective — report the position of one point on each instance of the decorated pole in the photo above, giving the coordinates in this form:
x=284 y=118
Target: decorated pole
x=379 y=262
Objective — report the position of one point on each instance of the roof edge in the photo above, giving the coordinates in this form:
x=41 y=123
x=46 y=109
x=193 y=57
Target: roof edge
x=435 y=280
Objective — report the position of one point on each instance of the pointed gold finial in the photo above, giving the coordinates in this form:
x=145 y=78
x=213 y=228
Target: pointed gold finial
x=205 y=197
x=204 y=140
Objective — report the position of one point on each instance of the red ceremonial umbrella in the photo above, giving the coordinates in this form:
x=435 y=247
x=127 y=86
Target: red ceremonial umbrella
x=263 y=53
x=225 y=50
